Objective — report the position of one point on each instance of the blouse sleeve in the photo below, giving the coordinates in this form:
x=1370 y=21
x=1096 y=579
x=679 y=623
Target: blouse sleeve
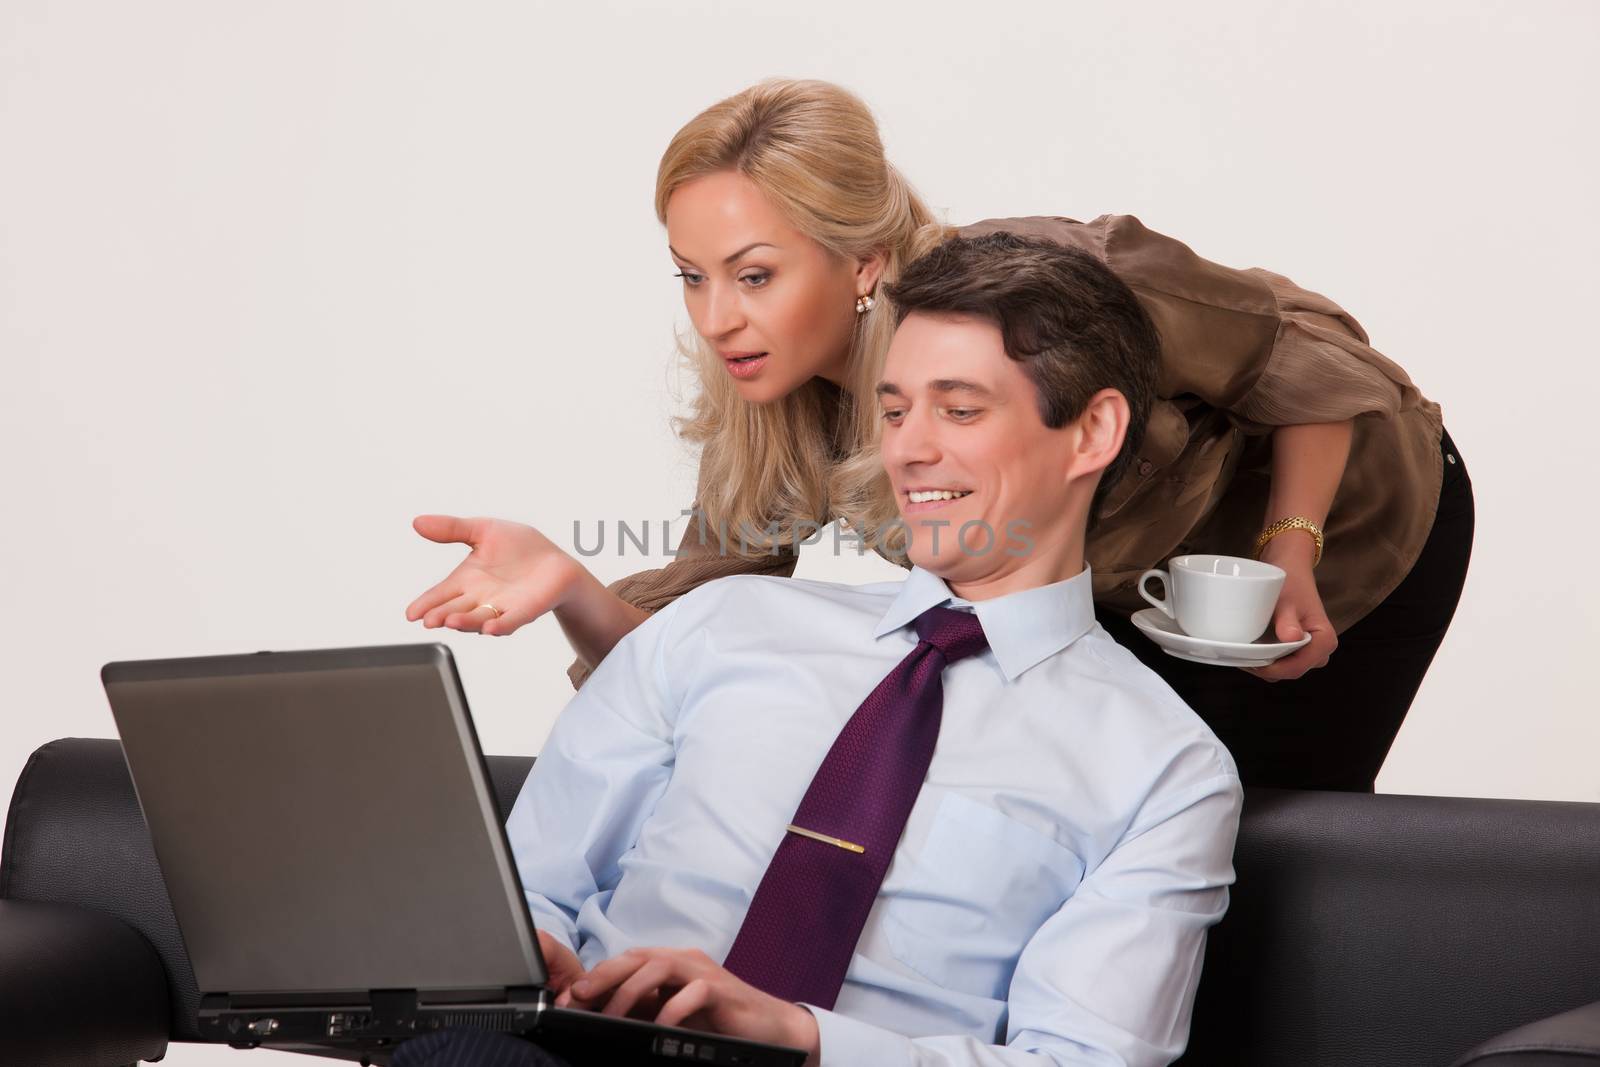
x=699 y=559
x=1322 y=369
x=1249 y=342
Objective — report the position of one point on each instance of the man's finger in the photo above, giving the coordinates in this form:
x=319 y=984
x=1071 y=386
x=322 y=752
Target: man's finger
x=692 y=998
x=640 y=985
x=607 y=973
x=559 y=960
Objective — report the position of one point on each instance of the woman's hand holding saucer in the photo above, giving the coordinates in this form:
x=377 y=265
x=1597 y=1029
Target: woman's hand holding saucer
x=513 y=575
x=1299 y=611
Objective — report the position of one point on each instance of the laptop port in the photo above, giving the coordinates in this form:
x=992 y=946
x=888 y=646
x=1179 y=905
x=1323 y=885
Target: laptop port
x=341 y=1023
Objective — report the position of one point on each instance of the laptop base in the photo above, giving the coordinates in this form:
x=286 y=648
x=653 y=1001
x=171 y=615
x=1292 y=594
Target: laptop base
x=368 y=1029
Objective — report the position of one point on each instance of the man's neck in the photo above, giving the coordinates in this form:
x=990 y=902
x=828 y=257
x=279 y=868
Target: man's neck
x=1042 y=566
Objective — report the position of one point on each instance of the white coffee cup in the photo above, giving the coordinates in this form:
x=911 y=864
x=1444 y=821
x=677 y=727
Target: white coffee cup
x=1217 y=598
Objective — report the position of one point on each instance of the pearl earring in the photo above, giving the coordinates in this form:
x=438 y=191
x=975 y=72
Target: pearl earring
x=865 y=304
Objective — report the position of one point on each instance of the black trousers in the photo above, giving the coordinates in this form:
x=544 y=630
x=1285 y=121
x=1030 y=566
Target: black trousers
x=1332 y=727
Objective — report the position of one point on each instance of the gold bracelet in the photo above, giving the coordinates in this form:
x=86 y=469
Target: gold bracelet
x=1284 y=525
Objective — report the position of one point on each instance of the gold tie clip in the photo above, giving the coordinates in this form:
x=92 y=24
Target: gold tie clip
x=848 y=846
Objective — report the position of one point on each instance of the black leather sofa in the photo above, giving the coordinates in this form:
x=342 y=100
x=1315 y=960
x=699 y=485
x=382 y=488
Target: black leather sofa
x=1363 y=930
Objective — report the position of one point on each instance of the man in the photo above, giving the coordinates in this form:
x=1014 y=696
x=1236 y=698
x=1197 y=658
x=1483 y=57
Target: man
x=904 y=823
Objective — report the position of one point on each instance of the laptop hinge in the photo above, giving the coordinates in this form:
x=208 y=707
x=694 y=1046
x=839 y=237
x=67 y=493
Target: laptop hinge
x=487 y=995
x=386 y=1001
x=251 y=1001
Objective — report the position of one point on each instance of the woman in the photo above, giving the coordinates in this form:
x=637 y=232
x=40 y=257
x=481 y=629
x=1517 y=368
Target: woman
x=783 y=219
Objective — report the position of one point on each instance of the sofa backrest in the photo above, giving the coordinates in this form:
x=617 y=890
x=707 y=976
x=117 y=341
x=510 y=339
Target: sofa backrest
x=1363 y=929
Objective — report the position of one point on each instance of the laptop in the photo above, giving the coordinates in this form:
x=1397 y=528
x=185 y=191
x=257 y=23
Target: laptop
x=327 y=831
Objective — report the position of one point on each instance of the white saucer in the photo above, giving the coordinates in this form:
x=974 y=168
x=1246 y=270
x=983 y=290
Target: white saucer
x=1154 y=624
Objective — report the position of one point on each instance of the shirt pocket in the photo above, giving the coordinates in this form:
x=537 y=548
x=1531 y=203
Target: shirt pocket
x=980 y=888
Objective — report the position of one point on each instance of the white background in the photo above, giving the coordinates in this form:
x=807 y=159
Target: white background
x=274 y=278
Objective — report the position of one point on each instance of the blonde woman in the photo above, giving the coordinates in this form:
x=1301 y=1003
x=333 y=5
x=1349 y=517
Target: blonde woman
x=1277 y=430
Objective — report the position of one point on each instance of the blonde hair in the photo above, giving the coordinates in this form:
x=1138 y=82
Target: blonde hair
x=813 y=149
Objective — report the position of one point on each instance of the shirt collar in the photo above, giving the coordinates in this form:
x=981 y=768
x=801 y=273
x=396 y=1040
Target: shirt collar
x=1024 y=628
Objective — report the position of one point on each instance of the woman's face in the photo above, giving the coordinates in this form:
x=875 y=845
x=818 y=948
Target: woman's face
x=777 y=306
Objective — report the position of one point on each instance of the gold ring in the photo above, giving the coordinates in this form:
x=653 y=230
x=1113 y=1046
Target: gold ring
x=491 y=607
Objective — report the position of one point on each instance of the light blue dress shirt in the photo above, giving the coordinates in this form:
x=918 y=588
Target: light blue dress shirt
x=1049 y=900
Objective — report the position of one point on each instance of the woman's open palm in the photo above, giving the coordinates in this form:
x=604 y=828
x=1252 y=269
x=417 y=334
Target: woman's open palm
x=513 y=575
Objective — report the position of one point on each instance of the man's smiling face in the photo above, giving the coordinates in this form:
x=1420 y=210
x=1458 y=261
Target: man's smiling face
x=977 y=475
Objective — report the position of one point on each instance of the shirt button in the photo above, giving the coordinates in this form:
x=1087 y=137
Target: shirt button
x=1145 y=468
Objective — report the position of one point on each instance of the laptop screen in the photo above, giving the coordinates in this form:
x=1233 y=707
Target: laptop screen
x=324 y=822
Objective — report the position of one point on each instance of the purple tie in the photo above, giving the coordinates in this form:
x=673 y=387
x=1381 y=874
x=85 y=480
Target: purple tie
x=803 y=924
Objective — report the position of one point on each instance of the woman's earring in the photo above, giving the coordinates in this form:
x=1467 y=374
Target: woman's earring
x=864 y=304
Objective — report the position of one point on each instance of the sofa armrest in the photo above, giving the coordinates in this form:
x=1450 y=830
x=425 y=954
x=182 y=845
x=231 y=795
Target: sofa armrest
x=1571 y=1039
x=77 y=987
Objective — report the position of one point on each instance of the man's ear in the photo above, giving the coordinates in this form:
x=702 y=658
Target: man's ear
x=1101 y=430
x=869 y=268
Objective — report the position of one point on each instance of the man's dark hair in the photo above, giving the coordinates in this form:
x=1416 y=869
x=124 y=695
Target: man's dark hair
x=1075 y=327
